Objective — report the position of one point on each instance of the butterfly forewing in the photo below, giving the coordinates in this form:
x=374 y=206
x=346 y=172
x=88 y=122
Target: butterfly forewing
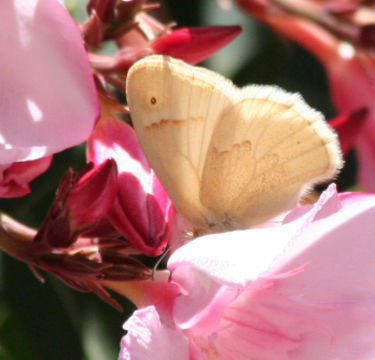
x=228 y=157
x=174 y=110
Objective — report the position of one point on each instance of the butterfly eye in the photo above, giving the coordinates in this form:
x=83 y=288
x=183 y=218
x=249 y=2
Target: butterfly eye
x=153 y=101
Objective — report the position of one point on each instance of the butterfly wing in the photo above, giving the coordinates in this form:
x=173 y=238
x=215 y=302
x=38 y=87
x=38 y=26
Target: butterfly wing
x=174 y=108
x=268 y=148
x=228 y=157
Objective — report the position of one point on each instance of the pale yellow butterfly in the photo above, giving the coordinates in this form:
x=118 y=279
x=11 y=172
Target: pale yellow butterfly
x=228 y=157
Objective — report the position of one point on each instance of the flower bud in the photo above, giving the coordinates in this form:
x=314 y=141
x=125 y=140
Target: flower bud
x=142 y=211
x=195 y=44
x=92 y=30
x=93 y=194
x=80 y=203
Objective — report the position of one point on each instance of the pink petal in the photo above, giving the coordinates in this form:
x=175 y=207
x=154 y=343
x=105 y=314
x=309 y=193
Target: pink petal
x=340 y=243
x=93 y=194
x=149 y=338
x=314 y=300
x=328 y=203
x=201 y=306
x=142 y=211
x=195 y=44
x=340 y=277
x=351 y=92
x=263 y=323
x=14 y=179
x=48 y=101
x=348 y=127
x=240 y=263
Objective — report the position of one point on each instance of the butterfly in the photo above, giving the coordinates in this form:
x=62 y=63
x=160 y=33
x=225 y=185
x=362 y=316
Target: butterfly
x=228 y=157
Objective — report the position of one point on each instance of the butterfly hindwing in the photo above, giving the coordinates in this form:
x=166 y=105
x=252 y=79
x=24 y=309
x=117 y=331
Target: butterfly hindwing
x=267 y=150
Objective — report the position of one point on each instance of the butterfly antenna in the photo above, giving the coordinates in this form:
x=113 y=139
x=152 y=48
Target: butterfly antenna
x=158 y=263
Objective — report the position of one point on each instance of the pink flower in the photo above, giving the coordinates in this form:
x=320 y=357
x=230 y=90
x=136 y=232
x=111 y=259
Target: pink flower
x=304 y=290
x=142 y=211
x=48 y=100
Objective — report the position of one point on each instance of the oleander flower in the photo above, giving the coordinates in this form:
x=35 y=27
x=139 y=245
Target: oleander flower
x=303 y=289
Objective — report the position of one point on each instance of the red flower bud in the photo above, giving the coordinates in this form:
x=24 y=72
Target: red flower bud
x=142 y=211
x=80 y=203
x=93 y=194
x=195 y=44
x=92 y=30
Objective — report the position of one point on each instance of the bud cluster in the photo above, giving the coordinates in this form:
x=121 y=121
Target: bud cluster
x=115 y=207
